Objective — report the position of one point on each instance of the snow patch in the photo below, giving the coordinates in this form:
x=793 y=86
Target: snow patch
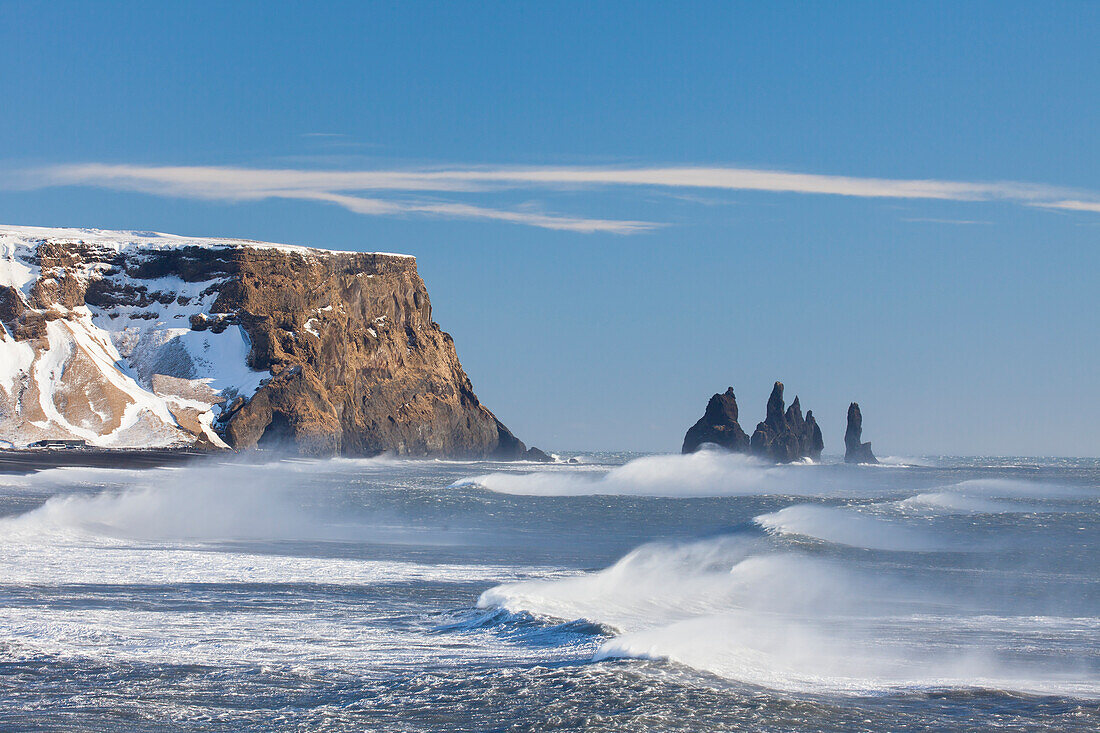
x=122 y=240
x=94 y=368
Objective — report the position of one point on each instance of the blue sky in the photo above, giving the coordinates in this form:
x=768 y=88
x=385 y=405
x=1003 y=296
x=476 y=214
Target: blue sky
x=624 y=208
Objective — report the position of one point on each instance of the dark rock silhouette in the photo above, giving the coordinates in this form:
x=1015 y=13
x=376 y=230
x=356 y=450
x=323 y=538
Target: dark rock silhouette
x=786 y=436
x=854 y=450
x=511 y=448
x=718 y=425
x=534 y=454
x=817 y=442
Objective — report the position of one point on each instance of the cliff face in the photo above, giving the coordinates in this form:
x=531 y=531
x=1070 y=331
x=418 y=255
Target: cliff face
x=125 y=339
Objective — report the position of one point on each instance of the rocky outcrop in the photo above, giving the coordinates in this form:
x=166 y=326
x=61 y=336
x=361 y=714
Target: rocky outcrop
x=110 y=335
x=359 y=367
x=534 y=454
x=511 y=448
x=786 y=436
x=856 y=451
x=718 y=425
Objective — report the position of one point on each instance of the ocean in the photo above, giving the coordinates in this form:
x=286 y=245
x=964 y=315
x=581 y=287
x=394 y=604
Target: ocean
x=624 y=592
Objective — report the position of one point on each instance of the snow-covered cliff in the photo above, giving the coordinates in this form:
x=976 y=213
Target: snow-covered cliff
x=140 y=339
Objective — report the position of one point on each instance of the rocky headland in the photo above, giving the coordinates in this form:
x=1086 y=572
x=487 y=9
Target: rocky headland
x=138 y=339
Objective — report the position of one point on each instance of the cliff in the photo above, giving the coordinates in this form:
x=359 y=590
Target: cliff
x=856 y=451
x=128 y=339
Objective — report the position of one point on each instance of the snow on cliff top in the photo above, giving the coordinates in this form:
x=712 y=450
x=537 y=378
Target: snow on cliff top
x=120 y=240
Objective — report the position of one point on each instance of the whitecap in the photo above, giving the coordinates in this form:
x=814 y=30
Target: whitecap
x=851 y=526
x=702 y=474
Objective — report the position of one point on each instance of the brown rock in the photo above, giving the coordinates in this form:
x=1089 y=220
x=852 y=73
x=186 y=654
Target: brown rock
x=11 y=307
x=358 y=365
x=382 y=376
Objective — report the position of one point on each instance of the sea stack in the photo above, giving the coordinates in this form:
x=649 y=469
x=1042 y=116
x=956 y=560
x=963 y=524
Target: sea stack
x=786 y=436
x=718 y=425
x=854 y=450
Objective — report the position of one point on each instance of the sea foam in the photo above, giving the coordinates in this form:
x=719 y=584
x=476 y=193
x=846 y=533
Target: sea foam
x=851 y=526
x=702 y=474
x=788 y=621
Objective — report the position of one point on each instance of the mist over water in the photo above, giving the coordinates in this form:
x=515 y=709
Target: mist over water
x=700 y=592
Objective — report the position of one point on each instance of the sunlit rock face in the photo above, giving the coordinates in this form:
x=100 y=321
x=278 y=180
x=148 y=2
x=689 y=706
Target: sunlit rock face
x=138 y=339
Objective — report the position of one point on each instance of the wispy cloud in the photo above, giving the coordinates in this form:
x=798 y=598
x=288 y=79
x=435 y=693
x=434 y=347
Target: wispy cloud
x=383 y=207
x=1071 y=205
x=339 y=186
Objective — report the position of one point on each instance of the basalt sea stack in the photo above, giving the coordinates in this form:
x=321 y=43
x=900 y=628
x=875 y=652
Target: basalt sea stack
x=784 y=436
x=856 y=451
x=718 y=425
x=138 y=339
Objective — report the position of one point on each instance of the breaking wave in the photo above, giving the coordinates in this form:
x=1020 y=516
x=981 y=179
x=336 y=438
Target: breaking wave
x=851 y=526
x=737 y=608
x=998 y=496
x=1004 y=488
x=829 y=655
x=668 y=581
x=965 y=504
x=902 y=462
x=702 y=474
x=201 y=502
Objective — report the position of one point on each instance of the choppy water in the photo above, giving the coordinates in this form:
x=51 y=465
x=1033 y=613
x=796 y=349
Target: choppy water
x=704 y=592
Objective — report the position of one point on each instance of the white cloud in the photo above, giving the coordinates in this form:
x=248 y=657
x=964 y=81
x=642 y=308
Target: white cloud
x=382 y=207
x=336 y=186
x=1071 y=205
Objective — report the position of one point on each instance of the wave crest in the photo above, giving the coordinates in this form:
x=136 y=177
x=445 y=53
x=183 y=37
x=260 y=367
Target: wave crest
x=705 y=473
x=739 y=609
x=850 y=526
